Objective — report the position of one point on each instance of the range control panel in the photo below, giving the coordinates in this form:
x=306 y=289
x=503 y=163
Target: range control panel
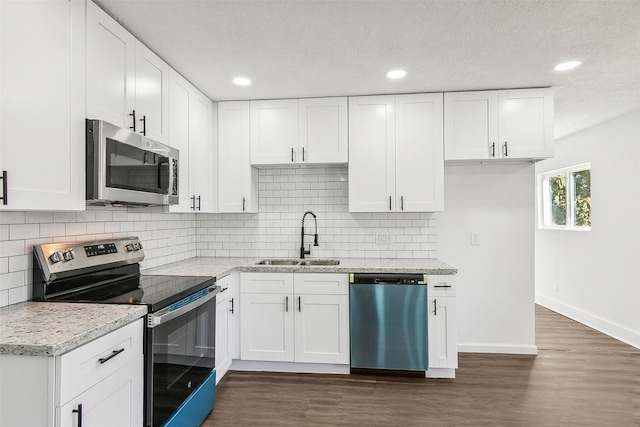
x=57 y=258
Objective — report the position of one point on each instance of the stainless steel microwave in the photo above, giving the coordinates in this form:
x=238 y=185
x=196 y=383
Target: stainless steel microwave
x=126 y=168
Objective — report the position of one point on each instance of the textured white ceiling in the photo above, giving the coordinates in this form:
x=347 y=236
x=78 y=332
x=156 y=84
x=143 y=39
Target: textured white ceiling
x=311 y=48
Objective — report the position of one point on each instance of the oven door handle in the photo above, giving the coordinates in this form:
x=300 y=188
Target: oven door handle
x=164 y=315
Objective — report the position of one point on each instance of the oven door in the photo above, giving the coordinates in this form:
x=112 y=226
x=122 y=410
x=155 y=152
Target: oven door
x=180 y=375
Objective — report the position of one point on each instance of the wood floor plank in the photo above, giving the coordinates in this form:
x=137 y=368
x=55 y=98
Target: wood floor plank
x=579 y=377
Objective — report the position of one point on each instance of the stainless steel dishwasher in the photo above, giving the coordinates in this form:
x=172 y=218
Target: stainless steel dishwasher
x=388 y=321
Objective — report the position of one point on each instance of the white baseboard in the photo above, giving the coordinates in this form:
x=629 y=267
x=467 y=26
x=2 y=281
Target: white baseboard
x=497 y=348
x=600 y=324
x=307 y=368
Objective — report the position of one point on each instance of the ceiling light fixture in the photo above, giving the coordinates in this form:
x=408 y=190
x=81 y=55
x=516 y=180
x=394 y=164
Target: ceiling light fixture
x=569 y=65
x=396 y=74
x=242 y=81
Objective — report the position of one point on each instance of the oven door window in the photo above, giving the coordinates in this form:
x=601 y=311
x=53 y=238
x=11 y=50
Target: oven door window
x=132 y=168
x=183 y=356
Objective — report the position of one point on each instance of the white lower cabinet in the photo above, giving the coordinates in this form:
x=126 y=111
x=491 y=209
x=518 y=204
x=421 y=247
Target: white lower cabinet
x=295 y=317
x=98 y=384
x=227 y=325
x=443 y=334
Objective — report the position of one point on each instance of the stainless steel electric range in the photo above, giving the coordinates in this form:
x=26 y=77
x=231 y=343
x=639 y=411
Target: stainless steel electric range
x=180 y=328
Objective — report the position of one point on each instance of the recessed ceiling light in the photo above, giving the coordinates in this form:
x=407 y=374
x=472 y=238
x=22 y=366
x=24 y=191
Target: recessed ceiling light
x=242 y=81
x=569 y=65
x=396 y=74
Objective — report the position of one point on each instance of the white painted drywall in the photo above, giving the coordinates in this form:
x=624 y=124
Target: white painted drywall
x=598 y=272
x=495 y=278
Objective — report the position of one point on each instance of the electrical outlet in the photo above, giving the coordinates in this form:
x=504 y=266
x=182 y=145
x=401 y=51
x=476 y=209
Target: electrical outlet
x=475 y=239
x=383 y=238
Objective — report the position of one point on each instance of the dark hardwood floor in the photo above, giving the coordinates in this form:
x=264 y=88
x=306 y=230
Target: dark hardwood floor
x=579 y=377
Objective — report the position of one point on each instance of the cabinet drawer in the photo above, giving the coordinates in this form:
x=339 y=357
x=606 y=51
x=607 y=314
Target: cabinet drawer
x=321 y=284
x=266 y=283
x=441 y=285
x=80 y=369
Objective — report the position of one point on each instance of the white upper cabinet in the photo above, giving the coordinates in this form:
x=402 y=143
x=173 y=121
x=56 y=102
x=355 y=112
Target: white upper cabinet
x=322 y=130
x=190 y=131
x=502 y=124
x=238 y=181
x=395 y=153
x=42 y=105
x=299 y=131
x=127 y=84
x=274 y=131
x=152 y=94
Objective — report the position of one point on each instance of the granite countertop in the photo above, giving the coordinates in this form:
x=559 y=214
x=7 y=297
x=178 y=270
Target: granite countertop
x=220 y=267
x=53 y=328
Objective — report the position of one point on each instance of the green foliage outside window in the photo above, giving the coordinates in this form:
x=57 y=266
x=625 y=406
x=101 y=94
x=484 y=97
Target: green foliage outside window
x=558 y=190
x=582 y=183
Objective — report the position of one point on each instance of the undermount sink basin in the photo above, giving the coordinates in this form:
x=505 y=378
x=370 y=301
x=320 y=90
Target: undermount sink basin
x=299 y=262
x=320 y=262
x=278 y=262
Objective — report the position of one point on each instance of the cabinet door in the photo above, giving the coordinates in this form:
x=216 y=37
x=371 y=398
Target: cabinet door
x=267 y=327
x=111 y=69
x=152 y=94
x=237 y=180
x=201 y=151
x=322 y=130
x=372 y=156
x=234 y=320
x=223 y=355
x=179 y=93
x=115 y=401
x=322 y=329
x=419 y=158
x=471 y=125
x=274 y=132
x=42 y=104
x=266 y=283
x=526 y=123
x=443 y=335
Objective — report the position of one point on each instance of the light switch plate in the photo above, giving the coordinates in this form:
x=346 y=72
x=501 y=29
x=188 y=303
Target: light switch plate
x=475 y=239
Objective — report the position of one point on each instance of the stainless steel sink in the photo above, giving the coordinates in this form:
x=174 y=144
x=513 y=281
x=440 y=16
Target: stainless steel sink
x=320 y=262
x=278 y=262
x=303 y=262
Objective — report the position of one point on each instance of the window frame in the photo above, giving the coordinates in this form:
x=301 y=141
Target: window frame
x=544 y=197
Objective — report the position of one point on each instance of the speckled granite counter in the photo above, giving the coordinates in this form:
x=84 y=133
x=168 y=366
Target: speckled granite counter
x=51 y=328
x=220 y=267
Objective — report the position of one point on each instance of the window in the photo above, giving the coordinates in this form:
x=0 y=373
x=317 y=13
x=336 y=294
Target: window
x=565 y=198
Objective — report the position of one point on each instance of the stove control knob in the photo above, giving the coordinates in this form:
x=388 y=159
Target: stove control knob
x=129 y=247
x=137 y=246
x=68 y=255
x=55 y=257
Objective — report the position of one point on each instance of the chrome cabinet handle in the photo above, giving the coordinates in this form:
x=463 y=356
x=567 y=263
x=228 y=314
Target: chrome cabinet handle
x=79 y=412
x=193 y=202
x=113 y=354
x=133 y=116
x=4 y=187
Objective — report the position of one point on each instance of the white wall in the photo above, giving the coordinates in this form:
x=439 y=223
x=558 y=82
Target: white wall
x=594 y=277
x=495 y=278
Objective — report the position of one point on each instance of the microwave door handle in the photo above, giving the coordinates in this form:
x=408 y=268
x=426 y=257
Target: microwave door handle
x=163 y=173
